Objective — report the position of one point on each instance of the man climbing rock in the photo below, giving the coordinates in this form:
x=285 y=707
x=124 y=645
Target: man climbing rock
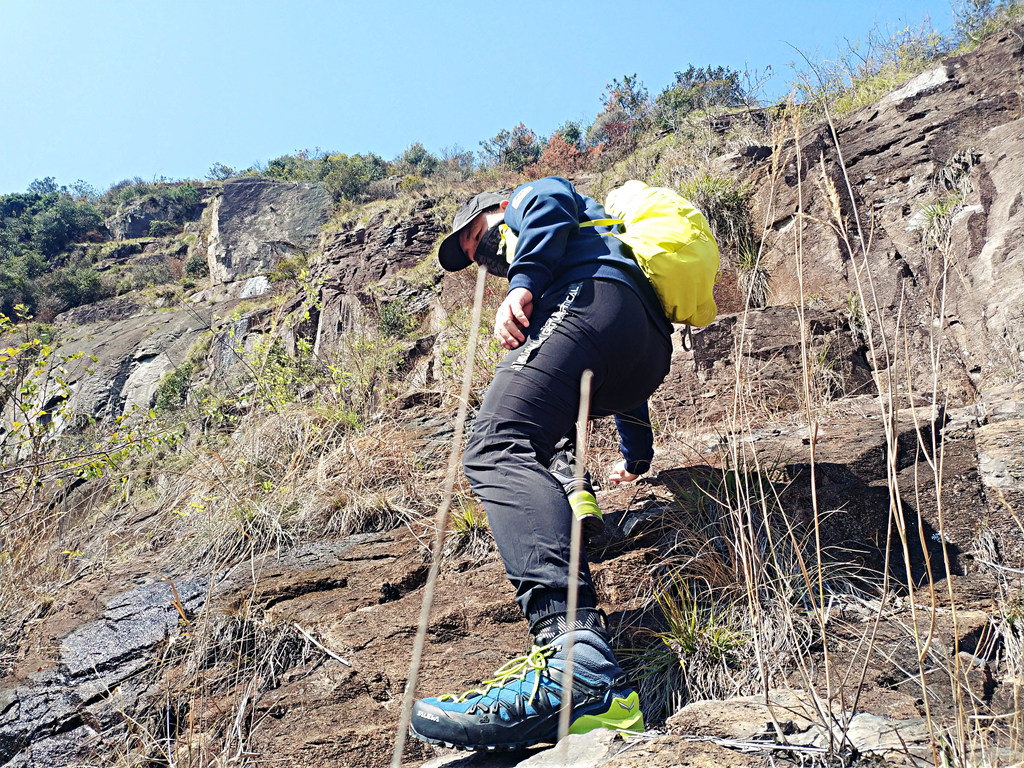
x=577 y=301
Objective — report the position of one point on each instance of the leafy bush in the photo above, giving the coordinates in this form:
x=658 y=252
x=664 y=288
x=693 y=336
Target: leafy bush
x=290 y=268
x=186 y=195
x=417 y=160
x=220 y=172
x=623 y=117
x=43 y=186
x=297 y=167
x=125 y=191
x=628 y=95
x=35 y=228
x=68 y=287
x=866 y=72
x=46 y=223
x=698 y=88
x=173 y=388
x=161 y=228
x=560 y=157
x=457 y=164
x=974 y=20
x=513 y=149
x=395 y=319
x=611 y=128
x=726 y=205
x=17 y=281
x=196 y=266
x=349 y=177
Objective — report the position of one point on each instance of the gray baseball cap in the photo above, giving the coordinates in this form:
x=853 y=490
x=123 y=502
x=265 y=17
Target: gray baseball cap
x=450 y=254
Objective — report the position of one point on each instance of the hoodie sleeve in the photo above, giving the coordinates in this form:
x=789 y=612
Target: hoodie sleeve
x=544 y=215
x=636 y=439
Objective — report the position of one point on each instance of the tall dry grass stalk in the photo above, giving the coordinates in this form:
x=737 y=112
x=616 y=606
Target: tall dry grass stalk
x=748 y=594
x=958 y=739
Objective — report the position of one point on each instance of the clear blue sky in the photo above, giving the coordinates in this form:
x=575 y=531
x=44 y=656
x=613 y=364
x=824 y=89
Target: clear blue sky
x=102 y=90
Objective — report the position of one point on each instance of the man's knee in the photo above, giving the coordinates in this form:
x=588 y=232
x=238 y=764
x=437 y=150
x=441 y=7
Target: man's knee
x=479 y=457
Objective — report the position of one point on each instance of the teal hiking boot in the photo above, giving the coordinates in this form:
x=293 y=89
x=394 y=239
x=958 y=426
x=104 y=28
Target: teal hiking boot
x=519 y=706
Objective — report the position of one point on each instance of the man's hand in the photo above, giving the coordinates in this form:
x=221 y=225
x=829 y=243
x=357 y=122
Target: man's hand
x=620 y=475
x=513 y=316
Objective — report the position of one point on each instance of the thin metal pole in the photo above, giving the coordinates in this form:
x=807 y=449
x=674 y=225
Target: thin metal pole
x=441 y=522
x=575 y=546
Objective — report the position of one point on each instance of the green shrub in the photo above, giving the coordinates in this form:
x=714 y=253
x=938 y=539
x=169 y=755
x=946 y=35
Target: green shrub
x=395 y=319
x=186 y=195
x=47 y=223
x=172 y=389
x=974 y=20
x=726 y=205
x=290 y=268
x=513 y=149
x=698 y=88
x=456 y=164
x=349 y=177
x=416 y=160
x=871 y=69
x=220 y=172
x=161 y=228
x=196 y=266
x=298 y=167
x=72 y=286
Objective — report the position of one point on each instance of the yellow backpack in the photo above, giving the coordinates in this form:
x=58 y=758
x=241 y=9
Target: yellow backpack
x=672 y=243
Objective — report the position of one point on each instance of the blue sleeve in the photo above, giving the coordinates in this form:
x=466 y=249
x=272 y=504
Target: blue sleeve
x=544 y=214
x=636 y=439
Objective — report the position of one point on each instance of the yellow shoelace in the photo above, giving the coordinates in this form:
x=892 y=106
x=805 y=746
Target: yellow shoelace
x=516 y=669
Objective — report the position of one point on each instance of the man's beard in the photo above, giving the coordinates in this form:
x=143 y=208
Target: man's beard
x=487 y=252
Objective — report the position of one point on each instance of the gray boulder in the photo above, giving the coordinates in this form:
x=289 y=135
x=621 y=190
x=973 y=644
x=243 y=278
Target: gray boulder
x=256 y=223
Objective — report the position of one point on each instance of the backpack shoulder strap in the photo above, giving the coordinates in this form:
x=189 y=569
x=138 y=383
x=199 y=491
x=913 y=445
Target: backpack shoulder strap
x=601 y=223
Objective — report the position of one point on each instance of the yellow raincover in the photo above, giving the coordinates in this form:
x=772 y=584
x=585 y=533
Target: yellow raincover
x=673 y=244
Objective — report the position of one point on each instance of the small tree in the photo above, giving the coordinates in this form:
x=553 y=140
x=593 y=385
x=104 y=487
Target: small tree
x=220 y=172
x=571 y=133
x=43 y=186
x=624 y=116
x=297 y=167
x=969 y=17
x=83 y=192
x=456 y=163
x=561 y=157
x=629 y=95
x=349 y=176
x=699 y=88
x=417 y=160
x=513 y=149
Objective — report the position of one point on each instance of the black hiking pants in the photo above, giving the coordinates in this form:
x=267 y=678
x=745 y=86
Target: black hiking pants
x=533 y=402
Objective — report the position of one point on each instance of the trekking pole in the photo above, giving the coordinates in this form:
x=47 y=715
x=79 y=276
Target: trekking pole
x=441 y=521
x=576 y=544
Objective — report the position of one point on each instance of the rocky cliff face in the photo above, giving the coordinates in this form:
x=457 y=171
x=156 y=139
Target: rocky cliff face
x=931 y=223
x=302 y=654
x=374 y=255
x=256 y=223
x=244 y=230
